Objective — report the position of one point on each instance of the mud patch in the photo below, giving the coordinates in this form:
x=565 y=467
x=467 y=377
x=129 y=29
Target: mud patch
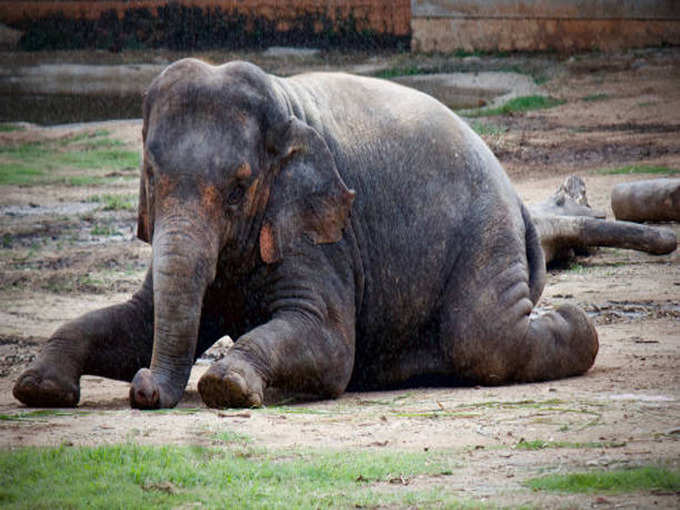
x=16 y=352
x=615 y=311
x=564 y=154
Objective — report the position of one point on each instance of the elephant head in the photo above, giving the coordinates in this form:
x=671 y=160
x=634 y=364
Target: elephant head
x=228 y=173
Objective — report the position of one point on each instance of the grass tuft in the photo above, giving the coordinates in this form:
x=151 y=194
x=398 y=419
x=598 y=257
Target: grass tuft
x=517 y=104
x=40 y=414
x=595 y=97
x=115 y=202
x=539 y=444
x=485 y=129
x=19 y=174
x=9 y=127
x=104 y=230
x=624 y=480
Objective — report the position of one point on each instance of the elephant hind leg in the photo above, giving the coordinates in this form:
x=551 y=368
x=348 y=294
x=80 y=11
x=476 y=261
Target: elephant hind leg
x=489 y=335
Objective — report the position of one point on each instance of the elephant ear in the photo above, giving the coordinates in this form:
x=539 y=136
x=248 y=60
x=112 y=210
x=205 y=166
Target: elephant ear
x=144 y=227
x=143 y=218
x=308 y=197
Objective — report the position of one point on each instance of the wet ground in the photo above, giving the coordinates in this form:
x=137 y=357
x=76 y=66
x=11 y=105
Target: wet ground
x=66 y=250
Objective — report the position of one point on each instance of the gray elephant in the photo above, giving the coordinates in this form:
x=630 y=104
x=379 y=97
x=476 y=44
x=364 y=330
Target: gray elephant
x=347 y=231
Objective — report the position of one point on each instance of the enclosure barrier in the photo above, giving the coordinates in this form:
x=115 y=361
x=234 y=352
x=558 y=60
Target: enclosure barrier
x=424 y=25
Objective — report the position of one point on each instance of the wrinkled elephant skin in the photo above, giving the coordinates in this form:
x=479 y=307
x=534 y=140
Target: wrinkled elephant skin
x=348 y=232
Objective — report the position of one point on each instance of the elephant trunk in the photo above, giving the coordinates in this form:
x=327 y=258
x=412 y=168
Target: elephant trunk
x=184 y=264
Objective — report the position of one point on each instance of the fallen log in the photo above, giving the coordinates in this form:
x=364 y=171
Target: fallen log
x=566 y=224
x=649 y=200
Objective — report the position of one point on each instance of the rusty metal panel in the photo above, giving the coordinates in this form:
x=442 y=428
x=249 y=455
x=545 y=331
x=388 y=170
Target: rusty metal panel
x=548 y=9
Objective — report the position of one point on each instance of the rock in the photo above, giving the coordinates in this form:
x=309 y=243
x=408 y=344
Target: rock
x=219 y=349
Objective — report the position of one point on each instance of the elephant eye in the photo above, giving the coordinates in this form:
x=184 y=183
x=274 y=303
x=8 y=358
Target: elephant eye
x=236 y=195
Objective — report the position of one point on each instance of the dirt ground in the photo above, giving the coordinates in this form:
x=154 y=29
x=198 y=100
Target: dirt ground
x=620 y=110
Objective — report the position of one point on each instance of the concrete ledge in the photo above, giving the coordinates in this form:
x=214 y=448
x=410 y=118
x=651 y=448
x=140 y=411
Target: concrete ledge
x=547 y=9
x=441 y=34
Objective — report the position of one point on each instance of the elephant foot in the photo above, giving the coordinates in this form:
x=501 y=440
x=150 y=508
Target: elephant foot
x=231 y=383
x=39 y=388
x=147 y=393
x=144 y=391
x=586 y=344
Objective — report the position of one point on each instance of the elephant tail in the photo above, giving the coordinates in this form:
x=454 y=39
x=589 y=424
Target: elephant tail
x=535 y=257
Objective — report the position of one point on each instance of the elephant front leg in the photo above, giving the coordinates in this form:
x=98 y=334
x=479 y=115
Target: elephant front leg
x=291 y=352
x=113 y=342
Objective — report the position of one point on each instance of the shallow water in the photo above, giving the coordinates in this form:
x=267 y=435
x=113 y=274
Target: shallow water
x=52 y=109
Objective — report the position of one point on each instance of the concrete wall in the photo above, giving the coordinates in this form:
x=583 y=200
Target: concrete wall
x=528 y=25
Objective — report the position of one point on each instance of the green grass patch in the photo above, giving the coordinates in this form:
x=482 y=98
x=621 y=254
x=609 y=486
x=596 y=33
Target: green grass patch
x=67 y=283
x=595 y=97
x=624 y=480
x=229 y=436
x=19 y=174
x=98 y=159
x=395 y=72
x=517 y=104
x=40 y=414
x=640 y=169
x=104 y=230
x=485 y=129
x=539 y=444
x=80 y=137
x=133 y=476
x=31 y=150
x=74 y=161
x=9 y=127
x=575 y=267
x=115 y=202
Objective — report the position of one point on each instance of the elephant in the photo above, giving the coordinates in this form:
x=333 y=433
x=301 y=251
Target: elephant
x=350 y=233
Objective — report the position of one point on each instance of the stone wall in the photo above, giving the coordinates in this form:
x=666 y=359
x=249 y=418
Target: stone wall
x=529 y=25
